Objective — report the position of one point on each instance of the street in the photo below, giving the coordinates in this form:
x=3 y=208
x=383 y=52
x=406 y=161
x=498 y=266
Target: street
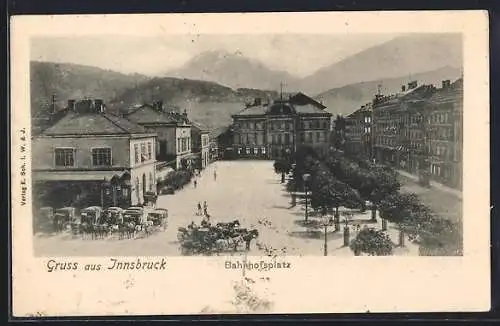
x=249 y=191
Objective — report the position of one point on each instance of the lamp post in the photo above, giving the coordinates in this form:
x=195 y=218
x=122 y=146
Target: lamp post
x=306 y=177
x=325 y=221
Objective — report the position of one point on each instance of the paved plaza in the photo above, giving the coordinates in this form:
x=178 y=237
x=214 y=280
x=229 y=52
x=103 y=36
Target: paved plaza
x=249 y=191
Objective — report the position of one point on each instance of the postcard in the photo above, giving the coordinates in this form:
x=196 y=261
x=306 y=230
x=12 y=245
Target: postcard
x=171 y=164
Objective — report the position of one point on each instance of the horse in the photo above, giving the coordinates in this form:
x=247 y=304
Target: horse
x=148 y=228
x=249 y=236
x=225 y=244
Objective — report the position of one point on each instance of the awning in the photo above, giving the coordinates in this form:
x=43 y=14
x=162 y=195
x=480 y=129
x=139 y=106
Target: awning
x=76 y=175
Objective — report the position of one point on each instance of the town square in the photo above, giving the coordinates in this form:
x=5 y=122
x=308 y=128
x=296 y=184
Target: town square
x=245 y=171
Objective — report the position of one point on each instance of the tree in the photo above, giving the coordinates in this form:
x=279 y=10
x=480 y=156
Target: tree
x=329 y=193
x=372 y=242
x=283 y=167
x=384 y=183
x=403 y=209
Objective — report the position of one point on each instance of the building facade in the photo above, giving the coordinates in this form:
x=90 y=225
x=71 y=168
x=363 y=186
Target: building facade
x=271 y=130
x=173 y=132
x=200 y=144
x=398 y=127
x=90 y=157
x=420 y=131
x=444 y=133
x=358 y=132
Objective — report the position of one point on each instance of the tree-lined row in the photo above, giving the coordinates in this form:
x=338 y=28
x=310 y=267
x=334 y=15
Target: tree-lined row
x=337 y=181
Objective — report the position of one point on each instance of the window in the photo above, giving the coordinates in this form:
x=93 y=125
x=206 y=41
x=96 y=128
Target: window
x=150 y=181
x=143 y=152
x=318 y=136
x=263 y=150
x=248 y=150
x=150 y=151
x=64 y=156
x=101 y=156
x=255 y=150
x=302 y=137
x=136 y=153
x=178 y=144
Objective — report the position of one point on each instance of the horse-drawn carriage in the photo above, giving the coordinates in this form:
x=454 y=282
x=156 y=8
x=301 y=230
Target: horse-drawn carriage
x=159 y=217
x=135 y=214
x=208 y=238
x=64 y=217
x=113 y=215
x=91 y=215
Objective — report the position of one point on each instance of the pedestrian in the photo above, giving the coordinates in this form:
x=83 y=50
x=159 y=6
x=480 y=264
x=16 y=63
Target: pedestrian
x=195 y=183
x=215 y=175
x=199 y=209
x=205 y=208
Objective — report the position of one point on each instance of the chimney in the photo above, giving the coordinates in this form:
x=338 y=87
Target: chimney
x=403 y=88
x=184 y=114
x=446 y=84
x=98 y=105
x=158 y=106
x=412 y=85
x=71 y=105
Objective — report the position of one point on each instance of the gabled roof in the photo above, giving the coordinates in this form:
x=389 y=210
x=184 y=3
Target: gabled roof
x=93 y=124
x=199 y=126
x=301 y=98
x=310 y=109
x=145 y=114
x=253 y=111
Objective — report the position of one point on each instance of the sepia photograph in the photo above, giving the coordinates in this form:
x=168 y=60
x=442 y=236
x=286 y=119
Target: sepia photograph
x=229 y=149
x=248 y=148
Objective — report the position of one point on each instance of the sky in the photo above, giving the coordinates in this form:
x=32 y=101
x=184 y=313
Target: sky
x=298 y=54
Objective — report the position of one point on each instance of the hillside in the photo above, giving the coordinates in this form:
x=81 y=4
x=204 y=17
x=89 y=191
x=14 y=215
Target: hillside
x=205 y=102
x=402 y=56
x=347 y=99
x=233 y=70
x=75 y=81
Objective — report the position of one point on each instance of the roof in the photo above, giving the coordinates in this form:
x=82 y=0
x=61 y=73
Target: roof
x=199 y=126
x=253 y=110
x=309 y=109
x=145 y=114
x=305 y=108
x=93 y=124
x=301 y=98
x=451 y=94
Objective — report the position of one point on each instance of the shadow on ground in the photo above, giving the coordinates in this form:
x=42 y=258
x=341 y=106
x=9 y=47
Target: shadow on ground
x=315 y=234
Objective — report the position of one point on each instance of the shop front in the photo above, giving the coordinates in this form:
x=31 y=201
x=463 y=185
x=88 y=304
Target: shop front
x=80 y=190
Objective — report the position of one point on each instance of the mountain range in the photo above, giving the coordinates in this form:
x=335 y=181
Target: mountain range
x=402 y=56
x=215 y=84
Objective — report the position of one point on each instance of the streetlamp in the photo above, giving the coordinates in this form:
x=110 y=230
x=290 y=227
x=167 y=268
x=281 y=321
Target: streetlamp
x=306 y=177
x=325 y=222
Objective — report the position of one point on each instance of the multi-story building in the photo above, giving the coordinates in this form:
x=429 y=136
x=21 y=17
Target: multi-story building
x=444 y=133
x=270 y=130
x=172 y=128
x=398 y=127
x=90 y=157
x=200 y=144
x=358 y=132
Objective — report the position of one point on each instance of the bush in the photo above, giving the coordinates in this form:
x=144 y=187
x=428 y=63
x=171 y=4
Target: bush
x=176 y=179
x=372 y=242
